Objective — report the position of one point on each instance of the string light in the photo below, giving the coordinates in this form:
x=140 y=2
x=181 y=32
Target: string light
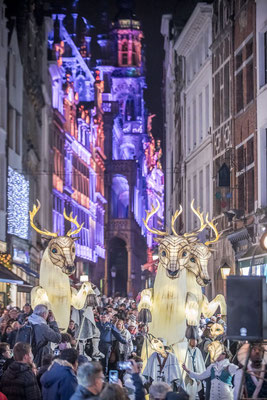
x=5 y=260
x=18 y=204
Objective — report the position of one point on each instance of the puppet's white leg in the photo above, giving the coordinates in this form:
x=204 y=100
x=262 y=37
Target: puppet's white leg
x=191 y=309
x=209 y=308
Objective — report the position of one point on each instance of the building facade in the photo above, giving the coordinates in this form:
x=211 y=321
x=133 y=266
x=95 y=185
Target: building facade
x=261 y=51
x=133 y=180
x=237 y=131
x=25 y=106
x=78 y=141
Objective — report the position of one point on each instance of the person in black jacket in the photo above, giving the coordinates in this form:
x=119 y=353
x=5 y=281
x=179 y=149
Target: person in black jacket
x=5 y=356
x=59 y=381
x=18 y=381
x=107 y=332
x=45 y=331
x=27 y=311
x=91 y=379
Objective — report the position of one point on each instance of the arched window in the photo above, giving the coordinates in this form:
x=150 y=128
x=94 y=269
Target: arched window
x=224 y=176
x=120 y=197
x=124 y=53
x=130 y=111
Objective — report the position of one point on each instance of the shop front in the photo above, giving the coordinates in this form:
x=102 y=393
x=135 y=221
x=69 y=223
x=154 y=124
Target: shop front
x=253 y=262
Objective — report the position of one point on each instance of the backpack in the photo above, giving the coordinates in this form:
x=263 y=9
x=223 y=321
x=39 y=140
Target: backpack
x=26 y=335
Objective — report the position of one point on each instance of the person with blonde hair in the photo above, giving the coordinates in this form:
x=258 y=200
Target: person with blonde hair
x=126 y=349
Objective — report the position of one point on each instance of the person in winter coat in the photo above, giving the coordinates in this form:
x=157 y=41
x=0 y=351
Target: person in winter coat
x=46 y=362
x=125 y=350
x=11 y=339
x=91 y=379
x=5 y=356
x=107 y=332
x=27 y=311
x=59 y=381
x=45 y=331
x=18 y=381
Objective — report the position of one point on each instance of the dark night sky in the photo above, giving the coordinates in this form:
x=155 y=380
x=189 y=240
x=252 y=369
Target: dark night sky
x=149 y=12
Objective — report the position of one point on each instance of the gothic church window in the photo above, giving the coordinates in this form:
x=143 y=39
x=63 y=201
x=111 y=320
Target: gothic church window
x=224 y=176
x=124 y=54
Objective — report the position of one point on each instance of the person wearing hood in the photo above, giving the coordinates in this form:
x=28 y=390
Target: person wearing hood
x=221 y=373
x=163 y=366
x=45 y=331
x=19 y=381
x=59 y=381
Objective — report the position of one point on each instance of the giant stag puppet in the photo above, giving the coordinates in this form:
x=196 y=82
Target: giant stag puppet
x=176 y=300
x=56 y=266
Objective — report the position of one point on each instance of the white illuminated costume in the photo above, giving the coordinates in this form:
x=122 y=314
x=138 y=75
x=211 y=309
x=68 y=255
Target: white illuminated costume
x=221 y=374
x=194 y=362
x=160 y=369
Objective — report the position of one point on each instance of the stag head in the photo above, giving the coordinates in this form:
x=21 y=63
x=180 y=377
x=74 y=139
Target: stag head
x=177 y=252
x=200 y=254
x=173 y=250
x=61 y=249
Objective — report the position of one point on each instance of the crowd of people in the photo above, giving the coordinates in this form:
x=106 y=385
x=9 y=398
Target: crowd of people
x=101 y=357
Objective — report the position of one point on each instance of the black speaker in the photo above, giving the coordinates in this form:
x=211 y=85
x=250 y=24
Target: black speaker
x=246 y=308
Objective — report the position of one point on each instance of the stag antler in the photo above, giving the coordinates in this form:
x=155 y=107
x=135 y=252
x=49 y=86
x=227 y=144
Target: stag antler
x=74 y=221
x=174 y=218
x=32 y=213
x=213 y=227
x=148 y=216
x=201 y=218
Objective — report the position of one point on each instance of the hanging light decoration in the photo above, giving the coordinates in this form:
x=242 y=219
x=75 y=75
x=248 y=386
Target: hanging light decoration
x=18 y=204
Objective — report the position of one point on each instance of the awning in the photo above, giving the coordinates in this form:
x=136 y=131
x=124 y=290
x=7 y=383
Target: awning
x=254 y=256
x=27 y=269
x=8 y=276
x=26 y=288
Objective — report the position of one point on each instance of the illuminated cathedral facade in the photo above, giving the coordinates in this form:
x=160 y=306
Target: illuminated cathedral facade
x=134 y=177
x=77 y=141
x=106 y=162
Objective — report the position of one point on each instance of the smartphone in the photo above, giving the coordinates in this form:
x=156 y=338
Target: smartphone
x=113 y=376
x=124 y=365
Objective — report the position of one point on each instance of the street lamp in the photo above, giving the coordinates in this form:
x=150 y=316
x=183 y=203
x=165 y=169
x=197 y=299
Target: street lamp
x=84 y=278
x=113 y=272
x=263 y=241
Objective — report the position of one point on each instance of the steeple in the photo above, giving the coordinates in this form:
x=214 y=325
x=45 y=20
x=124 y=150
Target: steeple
x=126 y=29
